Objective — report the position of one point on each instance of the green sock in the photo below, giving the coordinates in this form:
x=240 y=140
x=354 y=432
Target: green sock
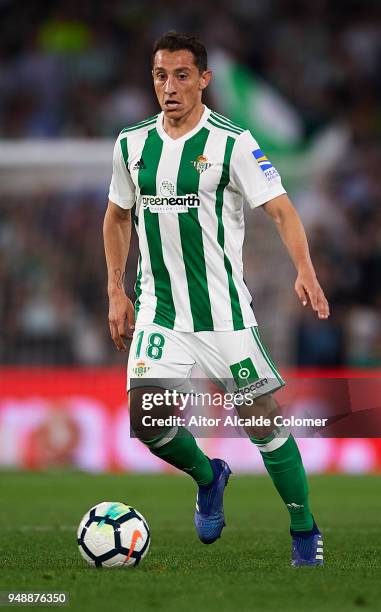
x=285 y=466
x=181 y=450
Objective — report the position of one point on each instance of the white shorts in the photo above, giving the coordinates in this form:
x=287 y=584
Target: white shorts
x=235 y=360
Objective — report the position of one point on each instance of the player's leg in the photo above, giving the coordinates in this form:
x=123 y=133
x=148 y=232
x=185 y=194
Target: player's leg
x=247 y=367
x=167 y=363
x=157 y=360
x=282 y=460
x=284 y=464
x=172 y=443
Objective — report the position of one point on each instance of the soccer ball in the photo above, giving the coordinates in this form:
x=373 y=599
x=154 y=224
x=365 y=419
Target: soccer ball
x=112 y=534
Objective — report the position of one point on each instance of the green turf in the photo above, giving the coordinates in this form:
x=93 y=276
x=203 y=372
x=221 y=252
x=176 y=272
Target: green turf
x=248 y=569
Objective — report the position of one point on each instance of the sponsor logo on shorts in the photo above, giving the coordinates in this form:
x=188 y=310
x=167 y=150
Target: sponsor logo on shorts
x=252 y=387
x=141 y=368
x=244 y=372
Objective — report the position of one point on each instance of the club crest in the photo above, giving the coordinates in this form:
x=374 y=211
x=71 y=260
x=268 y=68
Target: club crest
x=140 y=368
x=201 y=163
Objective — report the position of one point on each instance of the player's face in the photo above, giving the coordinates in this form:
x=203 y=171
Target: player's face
x=178 y=82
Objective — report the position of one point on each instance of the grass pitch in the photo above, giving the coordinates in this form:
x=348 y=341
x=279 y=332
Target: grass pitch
x=247 y=569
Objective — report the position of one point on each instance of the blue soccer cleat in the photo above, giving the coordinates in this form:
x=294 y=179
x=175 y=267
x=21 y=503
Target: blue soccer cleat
x=209 y=516
x=307 y=547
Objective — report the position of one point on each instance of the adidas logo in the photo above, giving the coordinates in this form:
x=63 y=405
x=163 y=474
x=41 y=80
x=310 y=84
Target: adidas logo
x=140 y=165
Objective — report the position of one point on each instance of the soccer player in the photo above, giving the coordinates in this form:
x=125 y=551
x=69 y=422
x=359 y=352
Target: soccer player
x=188 y=171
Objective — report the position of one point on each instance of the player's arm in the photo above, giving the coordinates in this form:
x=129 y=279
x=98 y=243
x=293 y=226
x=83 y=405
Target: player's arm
x=254 y=176
x=294 y=237
x=117 y=236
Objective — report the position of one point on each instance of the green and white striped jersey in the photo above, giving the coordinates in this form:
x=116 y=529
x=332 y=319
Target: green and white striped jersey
x=189 y=196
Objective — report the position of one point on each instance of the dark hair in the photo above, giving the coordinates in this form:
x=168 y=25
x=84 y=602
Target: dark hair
x=174 y=41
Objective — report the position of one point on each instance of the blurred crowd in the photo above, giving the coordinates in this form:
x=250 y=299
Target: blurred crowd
x=71 y=68
x=342 y=215
x=81 y=69
x=53 y=306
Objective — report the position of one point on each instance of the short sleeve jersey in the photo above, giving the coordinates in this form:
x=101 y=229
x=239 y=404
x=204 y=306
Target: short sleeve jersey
x=189 y=195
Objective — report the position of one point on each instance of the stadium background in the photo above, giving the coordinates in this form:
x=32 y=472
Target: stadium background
x=305 y=76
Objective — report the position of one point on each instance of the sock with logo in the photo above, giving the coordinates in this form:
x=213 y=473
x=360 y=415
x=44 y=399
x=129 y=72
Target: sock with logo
x=283 y=462
x=179 y=448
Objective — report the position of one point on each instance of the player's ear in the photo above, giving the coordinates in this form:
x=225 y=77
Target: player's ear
x=205 y=79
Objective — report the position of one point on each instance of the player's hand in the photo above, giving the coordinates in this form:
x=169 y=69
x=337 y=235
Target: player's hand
x=309 y=291
x=121 y=319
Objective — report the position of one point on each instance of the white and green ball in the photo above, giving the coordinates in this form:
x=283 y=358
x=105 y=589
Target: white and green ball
x=112 y=534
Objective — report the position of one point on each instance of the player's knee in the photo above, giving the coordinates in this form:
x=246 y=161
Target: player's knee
x=137 y=412
x=265 y=409
x=265 y=405
x=146 y=419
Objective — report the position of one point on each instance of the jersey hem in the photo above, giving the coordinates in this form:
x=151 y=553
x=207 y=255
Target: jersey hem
x=140 y=324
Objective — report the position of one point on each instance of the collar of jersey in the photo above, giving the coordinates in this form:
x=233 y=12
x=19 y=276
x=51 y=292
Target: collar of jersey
x=175 y=142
